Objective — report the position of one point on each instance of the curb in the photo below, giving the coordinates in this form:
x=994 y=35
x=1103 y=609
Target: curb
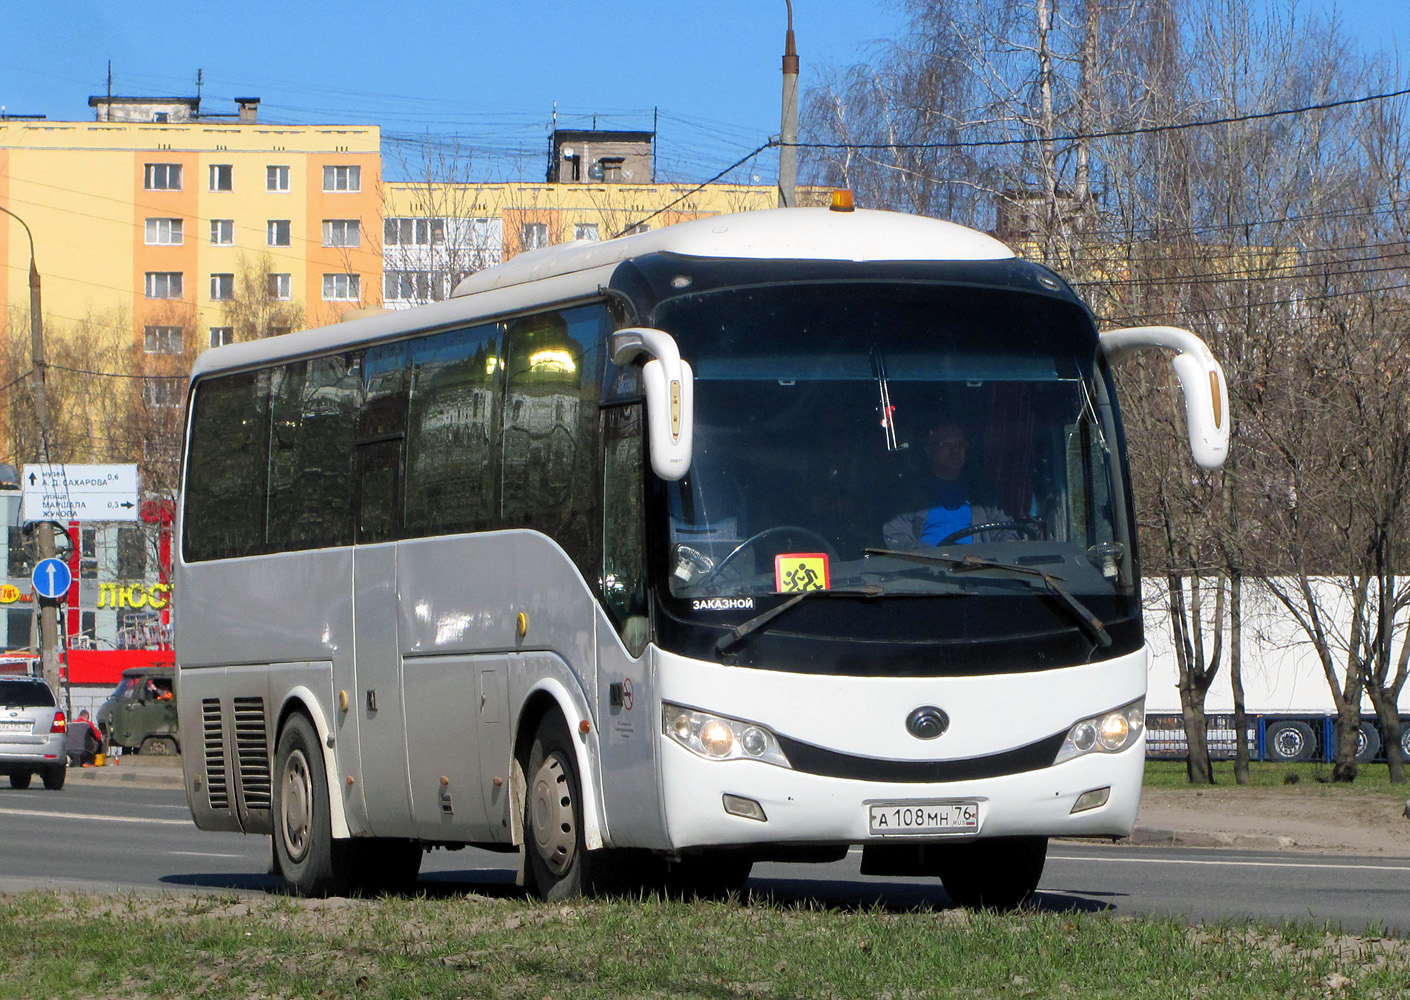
x=116 y=774
x=1146 y=836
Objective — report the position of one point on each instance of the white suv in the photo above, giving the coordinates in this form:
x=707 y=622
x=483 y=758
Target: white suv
x=32 y=733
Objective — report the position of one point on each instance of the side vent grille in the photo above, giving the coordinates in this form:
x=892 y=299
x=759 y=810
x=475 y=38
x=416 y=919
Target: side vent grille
x=252 y=752
x=217 y=781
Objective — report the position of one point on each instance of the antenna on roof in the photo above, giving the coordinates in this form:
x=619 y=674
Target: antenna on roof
x=110 y=81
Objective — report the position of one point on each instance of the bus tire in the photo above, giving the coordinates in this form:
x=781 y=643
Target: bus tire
x=1368 y=743
x=998 y=873
x=1405 y=739
x=557 y=861
x=1289 y=741
x=312 y=862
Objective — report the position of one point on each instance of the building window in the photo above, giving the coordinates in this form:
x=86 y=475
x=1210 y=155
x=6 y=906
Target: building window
x=611 y=169
x=640 y=227
x=164 y=232
x=277 y=331
x=413 y=232
x=162 y=392
x=341 y=287
x=222 y=177
x=341 y=233
x=163 y=284
x=222 y=335
x=162 y=339
x=276 y=178
x=534 y=235
x=131 y=553
x=279 y=286
x=342 y=178
x=222 y=287
x=222 y=232
x=412 y=286
x=162 y=176
x=88 y=554
x=277 y=232
x=586 y=231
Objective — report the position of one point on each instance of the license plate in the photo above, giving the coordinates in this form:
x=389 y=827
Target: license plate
x=16 y=727
x=890 y=819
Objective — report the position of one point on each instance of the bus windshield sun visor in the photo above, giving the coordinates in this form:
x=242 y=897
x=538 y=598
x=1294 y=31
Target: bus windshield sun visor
x=1079 y=611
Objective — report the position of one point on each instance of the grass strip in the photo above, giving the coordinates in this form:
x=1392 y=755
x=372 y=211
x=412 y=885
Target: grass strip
x=477 y=946
x=1313 y=778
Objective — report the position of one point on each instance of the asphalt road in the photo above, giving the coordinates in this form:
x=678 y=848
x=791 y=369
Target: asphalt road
x=97 y=838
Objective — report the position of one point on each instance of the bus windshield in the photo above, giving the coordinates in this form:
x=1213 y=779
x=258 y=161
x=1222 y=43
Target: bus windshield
x=845 y=431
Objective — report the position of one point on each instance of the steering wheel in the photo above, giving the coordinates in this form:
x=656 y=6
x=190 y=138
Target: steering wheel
x=1030 y=529
x=778 y=529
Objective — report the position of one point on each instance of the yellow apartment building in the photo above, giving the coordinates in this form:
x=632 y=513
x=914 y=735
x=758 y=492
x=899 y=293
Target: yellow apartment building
x=157 y=212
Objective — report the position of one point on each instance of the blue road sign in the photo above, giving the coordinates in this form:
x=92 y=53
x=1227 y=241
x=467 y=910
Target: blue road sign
x=52 y=578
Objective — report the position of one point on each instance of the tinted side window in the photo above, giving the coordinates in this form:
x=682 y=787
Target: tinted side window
x=314 y=416
x=225 y=492
x=382 y=431
x=553 y=367
x=451 y=431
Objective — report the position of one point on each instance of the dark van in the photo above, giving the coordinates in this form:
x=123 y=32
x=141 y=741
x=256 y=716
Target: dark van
x=140 y=714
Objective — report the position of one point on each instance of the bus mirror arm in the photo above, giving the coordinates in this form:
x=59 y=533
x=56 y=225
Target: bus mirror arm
x=1201 y=380
x=670 y=396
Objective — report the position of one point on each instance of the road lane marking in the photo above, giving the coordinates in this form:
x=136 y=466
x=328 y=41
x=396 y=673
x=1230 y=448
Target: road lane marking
x=1233 y=864
x=101 y=819
x=204 y=854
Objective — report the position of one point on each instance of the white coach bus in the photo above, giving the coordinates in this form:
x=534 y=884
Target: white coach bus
x=756 y=537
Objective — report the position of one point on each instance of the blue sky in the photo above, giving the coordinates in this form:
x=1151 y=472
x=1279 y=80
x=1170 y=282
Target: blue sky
x=489 y=72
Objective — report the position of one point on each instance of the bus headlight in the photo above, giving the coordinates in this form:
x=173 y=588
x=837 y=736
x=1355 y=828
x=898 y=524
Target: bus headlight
x=719 y=737
x=1110 y=732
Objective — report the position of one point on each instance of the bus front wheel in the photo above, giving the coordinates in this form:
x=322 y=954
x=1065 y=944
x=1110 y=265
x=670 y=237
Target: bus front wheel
x=553 y=815
x=998 y=873
x=313 y=863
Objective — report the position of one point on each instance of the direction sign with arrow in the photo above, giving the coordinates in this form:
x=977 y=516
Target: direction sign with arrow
x=80 y=492
x=52 y=578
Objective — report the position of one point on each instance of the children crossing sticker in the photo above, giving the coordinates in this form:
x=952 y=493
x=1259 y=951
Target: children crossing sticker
x=795 y=572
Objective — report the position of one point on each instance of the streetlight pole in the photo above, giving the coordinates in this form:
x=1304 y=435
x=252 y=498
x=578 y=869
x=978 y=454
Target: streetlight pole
x=48 y=610
x=788 y=131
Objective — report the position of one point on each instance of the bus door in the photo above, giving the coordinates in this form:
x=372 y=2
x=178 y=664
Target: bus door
x=628 y=725
x=382 y=717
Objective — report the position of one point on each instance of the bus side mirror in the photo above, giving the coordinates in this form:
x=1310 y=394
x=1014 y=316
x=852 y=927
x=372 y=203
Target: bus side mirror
x=670 y=396
x=1201 y=379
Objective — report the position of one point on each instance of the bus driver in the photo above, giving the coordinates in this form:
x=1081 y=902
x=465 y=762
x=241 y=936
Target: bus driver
x=952 y=510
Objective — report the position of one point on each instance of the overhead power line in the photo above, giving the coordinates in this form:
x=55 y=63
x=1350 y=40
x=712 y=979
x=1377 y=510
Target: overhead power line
x=1112 y=134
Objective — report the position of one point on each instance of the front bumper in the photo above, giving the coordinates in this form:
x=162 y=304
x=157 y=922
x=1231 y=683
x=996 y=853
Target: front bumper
x=808 y=808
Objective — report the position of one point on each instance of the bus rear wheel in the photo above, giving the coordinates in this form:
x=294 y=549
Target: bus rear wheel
x=312 y=862
x=998 y=873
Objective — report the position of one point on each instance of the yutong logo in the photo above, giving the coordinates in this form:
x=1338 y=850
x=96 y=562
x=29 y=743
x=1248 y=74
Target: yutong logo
x=723 y=604
x=927 y=723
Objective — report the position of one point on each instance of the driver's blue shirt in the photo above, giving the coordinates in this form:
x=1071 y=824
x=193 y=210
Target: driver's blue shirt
x=952 y=512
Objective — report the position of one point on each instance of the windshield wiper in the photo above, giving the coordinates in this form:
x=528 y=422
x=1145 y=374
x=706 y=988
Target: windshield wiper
x=1079 y=611
x=739 y=632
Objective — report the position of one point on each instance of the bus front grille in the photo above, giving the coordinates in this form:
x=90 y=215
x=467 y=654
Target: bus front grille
x=217 y=782
x=252 y=753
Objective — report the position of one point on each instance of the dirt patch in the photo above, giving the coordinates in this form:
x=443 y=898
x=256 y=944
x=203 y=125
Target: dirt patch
x=1266 y=818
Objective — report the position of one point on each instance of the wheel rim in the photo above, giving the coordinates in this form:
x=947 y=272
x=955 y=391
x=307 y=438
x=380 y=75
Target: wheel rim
x=552 y=815
x=296 y=806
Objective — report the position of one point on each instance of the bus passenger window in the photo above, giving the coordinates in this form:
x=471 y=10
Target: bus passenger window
x=379 y=499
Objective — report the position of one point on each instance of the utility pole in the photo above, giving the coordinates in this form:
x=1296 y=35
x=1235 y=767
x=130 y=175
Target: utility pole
x=788 y=131
x=48 y=609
